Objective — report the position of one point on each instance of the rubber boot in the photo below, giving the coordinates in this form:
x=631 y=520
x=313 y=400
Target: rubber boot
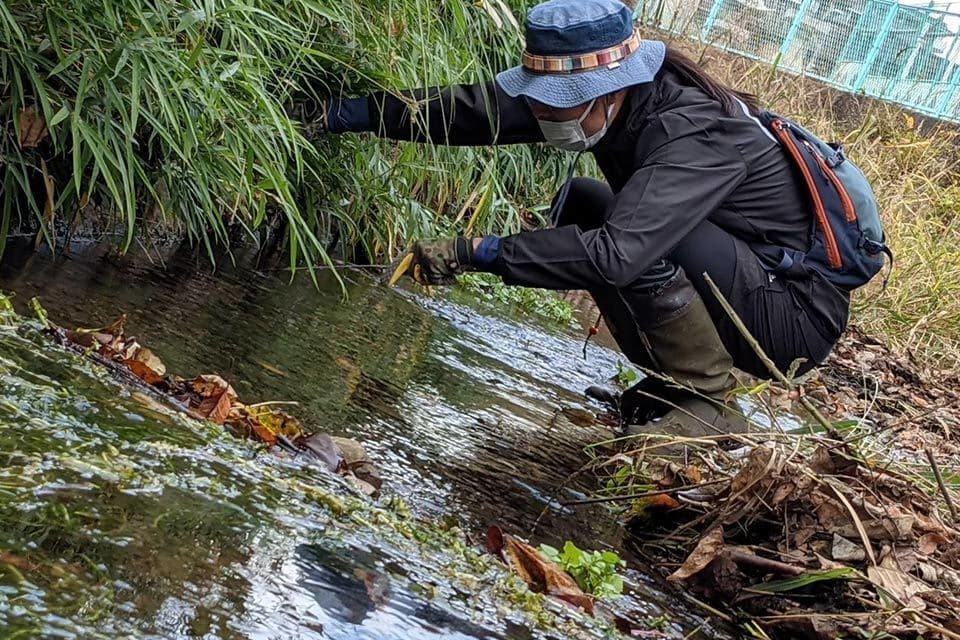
x=674 y=336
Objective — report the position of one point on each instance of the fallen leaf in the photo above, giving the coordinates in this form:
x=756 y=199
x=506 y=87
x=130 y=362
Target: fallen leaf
x=891 y=580
x=707 y=549
x=928 y=543
x=33 y=128
x=891 y=529
x=146 y=366
x=278 y=423
x=540 y=573
x=403 y=265
x=758 y=466
x=693 y=474
x=646 y=507
x=821 y=462
x=782 y=492
x=215 y=398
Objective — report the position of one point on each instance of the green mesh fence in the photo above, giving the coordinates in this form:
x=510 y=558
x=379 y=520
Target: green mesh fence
x=897 y=52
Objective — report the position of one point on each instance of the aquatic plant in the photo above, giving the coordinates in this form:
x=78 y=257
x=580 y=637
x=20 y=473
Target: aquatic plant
x=539 y=302
x=595 y=571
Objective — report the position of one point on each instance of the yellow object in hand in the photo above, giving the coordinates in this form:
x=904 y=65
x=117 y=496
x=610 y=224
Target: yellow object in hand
x=403 y=265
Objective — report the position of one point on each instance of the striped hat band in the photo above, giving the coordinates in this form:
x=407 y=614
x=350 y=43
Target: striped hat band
x=608 y=57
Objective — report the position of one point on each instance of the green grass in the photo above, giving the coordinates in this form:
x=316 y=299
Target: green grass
x=171 y=114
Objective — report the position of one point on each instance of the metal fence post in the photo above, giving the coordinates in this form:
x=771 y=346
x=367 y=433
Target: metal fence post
x=711 y=18
x=853 y=32
x=941 y=109
x=794 y=27
x=915 y=49
x=947 y=68
x=875 y=46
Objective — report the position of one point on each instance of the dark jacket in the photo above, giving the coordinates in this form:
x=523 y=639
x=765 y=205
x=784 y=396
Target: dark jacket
x=672 y=156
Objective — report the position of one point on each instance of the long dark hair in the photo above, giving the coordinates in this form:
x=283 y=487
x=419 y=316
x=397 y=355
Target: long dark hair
x=692 y=73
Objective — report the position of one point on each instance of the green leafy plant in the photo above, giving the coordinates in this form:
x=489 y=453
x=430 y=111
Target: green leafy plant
x=170 y=116
x=594 y=571
x=545 y=304
x=625 y=375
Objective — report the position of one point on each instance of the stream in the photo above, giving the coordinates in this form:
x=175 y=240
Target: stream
x=119 y=518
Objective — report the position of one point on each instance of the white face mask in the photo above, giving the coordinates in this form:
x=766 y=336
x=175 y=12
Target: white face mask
x=569 y=135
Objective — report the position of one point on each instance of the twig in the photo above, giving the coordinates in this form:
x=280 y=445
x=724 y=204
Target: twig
x=943 y=486
x=764 y=563
x=710 y=609
x=750 y=340
x=257 y=405
x=646 y=494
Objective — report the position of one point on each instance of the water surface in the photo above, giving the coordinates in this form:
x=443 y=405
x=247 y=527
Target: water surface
x=118 y=518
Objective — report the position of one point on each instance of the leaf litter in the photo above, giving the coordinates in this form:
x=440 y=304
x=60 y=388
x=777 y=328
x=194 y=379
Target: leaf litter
x=210 y=397
x=803 y=535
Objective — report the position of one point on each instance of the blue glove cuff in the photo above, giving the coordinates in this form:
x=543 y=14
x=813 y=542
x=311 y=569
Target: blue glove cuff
x=487 y=252
x=350 y=115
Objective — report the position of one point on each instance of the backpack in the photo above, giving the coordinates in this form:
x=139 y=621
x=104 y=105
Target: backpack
x=847 y=241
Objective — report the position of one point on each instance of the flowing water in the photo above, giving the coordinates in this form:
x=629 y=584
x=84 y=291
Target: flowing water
x=120 y=518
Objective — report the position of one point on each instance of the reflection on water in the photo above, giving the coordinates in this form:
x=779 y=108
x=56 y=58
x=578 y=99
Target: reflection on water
x=120 y=518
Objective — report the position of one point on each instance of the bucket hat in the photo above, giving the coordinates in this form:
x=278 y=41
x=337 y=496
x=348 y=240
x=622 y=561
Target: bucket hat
x=578 y=50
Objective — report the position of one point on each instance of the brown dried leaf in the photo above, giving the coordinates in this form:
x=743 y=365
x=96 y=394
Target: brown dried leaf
x=33 y=128
x=821 y=462
x=757 y=467
x=903 y=587
x=928 y=543
x=280 y=423
x=146 y=366
x=214 y=398
x=782 y=492
x=707 y=549
x=540 y=573
x=888 y=529
x=693 y=474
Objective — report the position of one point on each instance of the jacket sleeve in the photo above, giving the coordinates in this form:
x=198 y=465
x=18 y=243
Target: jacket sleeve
x=688 y=172
x=465 y=115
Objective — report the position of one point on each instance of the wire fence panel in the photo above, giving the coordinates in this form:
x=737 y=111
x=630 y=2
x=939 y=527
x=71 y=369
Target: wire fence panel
x=881 y=48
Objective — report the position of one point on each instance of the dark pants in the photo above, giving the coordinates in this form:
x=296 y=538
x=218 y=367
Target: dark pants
x=790 y=319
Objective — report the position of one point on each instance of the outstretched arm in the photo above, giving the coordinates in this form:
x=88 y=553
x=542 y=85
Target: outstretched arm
x=463 y=115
